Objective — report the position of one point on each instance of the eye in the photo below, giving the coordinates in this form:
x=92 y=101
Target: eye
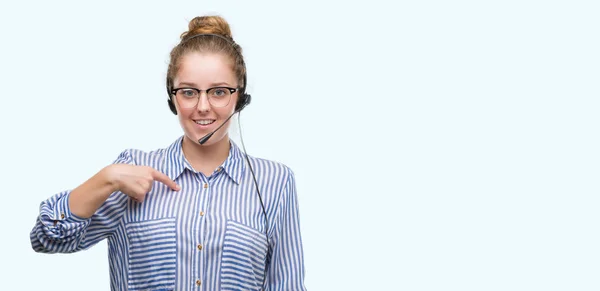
x=220 y=92
x=187 y=93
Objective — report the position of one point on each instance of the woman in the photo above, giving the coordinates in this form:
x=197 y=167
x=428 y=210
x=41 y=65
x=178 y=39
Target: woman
x=198 y=214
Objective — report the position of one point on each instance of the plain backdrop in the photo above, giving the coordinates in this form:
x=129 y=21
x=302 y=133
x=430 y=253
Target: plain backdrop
x=438 y=145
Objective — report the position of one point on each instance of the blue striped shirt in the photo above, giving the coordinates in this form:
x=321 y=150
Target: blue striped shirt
x=210 y=235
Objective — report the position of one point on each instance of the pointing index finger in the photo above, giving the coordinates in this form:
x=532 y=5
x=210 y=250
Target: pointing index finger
x=161 y=177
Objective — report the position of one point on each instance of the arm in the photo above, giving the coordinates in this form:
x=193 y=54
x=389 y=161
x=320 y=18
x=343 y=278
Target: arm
x=77 y=219
x=286 y=269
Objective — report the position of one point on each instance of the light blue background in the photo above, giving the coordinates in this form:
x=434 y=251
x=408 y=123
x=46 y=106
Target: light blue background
x=438 y=145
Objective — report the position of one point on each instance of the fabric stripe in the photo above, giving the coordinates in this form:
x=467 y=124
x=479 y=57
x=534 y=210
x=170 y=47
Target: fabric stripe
x=164 y=243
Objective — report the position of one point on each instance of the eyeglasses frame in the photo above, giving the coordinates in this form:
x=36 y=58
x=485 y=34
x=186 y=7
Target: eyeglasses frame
x=199 y=91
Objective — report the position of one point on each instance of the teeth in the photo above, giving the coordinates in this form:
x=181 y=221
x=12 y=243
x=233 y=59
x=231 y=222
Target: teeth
x=204 y=122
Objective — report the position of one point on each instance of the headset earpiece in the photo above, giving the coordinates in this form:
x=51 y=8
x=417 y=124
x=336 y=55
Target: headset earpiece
x=172 y=106
x=170 y=100
x=243 y=102
x=243 y=99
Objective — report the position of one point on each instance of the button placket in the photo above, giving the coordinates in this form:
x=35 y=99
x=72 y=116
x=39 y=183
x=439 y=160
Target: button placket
x=203 y=199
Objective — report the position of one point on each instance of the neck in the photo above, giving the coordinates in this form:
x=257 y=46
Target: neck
x=206 y=158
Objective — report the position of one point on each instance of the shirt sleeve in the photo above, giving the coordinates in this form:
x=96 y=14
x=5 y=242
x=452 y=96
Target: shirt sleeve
x=286 y=268
x=57 y=230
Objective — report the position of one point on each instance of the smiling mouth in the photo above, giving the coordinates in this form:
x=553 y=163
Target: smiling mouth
x=205 y=121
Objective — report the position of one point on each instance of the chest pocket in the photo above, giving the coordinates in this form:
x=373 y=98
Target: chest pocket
x=243 y=261
x=152 y=254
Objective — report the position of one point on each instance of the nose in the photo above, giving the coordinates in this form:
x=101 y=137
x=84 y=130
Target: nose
x=203 y=104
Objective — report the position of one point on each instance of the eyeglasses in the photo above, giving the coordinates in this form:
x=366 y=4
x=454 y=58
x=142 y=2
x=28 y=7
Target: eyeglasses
x=217 y=96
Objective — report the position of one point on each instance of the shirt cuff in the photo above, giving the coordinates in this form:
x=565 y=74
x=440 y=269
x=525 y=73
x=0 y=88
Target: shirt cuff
x=60 y=224
x=62 y=212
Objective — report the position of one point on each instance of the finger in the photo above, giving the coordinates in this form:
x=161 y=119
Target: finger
x=145 y=184
x=158 y=176
x=140 y=191
x=137 y=190
x=135 y=197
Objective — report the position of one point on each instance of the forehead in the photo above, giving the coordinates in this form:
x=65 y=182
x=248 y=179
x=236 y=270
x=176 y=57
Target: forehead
x=204 y=69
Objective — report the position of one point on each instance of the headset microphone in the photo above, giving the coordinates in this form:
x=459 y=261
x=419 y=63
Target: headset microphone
x=207 y=137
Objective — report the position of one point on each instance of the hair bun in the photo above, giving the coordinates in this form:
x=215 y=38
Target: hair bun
x=208 y=24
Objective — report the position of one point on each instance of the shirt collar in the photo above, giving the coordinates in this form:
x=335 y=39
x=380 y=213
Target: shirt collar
x=175 y=162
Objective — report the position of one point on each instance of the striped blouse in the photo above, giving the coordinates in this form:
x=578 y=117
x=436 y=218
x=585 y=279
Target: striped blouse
x=210 y=235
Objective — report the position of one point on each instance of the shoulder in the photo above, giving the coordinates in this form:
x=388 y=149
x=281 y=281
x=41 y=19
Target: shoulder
x=270 y=165
x=274 y=170
x=150 y=157
x=136 y=156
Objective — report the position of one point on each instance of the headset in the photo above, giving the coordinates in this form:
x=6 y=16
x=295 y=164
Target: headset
x=243 y=101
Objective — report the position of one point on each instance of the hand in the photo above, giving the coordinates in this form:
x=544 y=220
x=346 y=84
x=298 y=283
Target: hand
x=136 y=181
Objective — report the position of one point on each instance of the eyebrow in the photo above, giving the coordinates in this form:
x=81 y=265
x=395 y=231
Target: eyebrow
x=187 y=84
x=211 y=85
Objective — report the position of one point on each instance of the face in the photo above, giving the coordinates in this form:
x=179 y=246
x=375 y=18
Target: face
x=203 y=71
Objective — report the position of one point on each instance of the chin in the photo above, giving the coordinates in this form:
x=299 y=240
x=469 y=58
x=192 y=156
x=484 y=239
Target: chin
x=195 y=137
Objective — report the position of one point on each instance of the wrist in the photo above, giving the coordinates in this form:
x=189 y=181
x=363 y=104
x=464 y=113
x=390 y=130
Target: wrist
x=110 y=178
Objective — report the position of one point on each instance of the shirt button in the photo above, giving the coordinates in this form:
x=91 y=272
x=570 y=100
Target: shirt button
x=205 y=185
x=199 y=247
x=198 y=282
x=201 y=213
x=62 y=216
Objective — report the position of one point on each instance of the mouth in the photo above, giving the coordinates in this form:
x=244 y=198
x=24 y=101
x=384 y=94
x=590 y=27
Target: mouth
x=204 y=122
